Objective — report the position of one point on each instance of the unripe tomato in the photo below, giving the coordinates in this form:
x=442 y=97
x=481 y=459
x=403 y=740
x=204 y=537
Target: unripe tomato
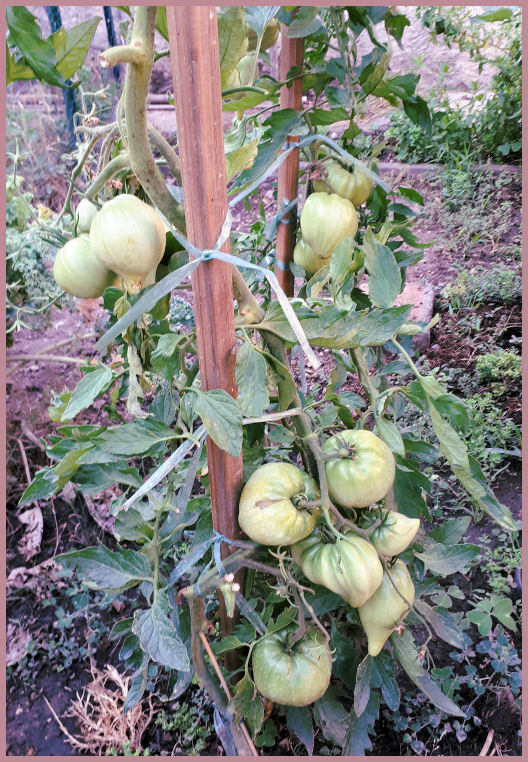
x=395 y=533
x=79 y=272
x=385 y=609
x=268 y=511
x=349 y=567
x=326 y=220
x=292 y=675
x=245 y=68
x=305 y=257
x=84 y=215
x=269 y=38
x=362 y=471
x=128 y=236
x=354 y=186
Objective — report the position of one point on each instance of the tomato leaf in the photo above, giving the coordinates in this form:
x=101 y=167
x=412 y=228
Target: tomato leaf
x=406 y=653
x=331 y=716
x=362 y=686
x=134 y=438
x=443 y=623
x=305 y=23
x=384 y=274
x=251 y=375
x=452 y=531
x=159 y=638
x=71 y=46
x=445 y=560
x=248 y=704
x=87 y=390
x=383 y=676
x=103 y=569
x=358 y=728
x=38 y=54
x=232 y=40
x=299 y=721
x=221 y=417
x=345 y=656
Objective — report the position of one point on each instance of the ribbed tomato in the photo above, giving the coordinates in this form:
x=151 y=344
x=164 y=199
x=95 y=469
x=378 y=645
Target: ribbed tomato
x=292 y=675
x=363 y=469
x=128 y=236
x=271 y=504
x=84 y=215
x=354 y=186
x=326 y=220
x=349 y=567
x=395 y=533
x=305 y=257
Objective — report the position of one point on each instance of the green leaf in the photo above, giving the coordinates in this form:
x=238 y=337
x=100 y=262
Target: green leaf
x=241 y=158
x=323 y=600
x=87 y=390
x=345 y=658
x=384 y=273
x=371 y=76
x=442 y=622
x=159 y=638
x=248 y=705
x=395 y=23
x=410 y=194
x=232 y=40
x=320 y=116
x=502 y=610
x=359 y=729
x=221 y=417
x=44 y=485
x=299 y=721
x=409 y=484
x=482 y=619
x=390 y=433
x=17 y=70
x=251 y=375
x=259 y=16
x=452 y=531
x=39 y=54
x=305 y=23
x=134 y=438
x=285 y=618
x=72 y=45
x=138 y=684
x=501 y=14
x=268 y=735
x=161 y=22
x=384 y=677
x=445 y=560
x=418 y=112
x=362 y=686
x=104 y=569
x=407 y=654
x=331 y=716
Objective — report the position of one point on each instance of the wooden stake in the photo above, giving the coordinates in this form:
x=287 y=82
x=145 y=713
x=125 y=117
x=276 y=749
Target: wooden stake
x=290 y=97
x=193 y=39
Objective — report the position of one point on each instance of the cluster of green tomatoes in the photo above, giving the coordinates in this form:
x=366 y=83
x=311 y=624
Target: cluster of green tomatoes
x=120 y=244
x=280 y=505
x=329 y=215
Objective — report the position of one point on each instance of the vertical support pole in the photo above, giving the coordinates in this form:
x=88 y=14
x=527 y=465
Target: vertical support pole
x=193 y=39
x=290 y=97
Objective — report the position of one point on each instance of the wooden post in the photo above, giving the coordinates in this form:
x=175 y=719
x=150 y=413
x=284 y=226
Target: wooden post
x=290 y=97
x=193 y=39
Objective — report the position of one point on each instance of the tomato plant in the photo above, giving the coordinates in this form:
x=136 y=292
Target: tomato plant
x=317 y=459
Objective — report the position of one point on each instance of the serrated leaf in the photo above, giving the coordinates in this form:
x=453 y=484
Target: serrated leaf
x=331 y=716
x=39 y=54
x=383 y=671
x=221 y=417
x=362 y=686
x=104 y=569
x=159 y=638
x=390 y=433
x=345 y=657
x=44 y=485
x=445 y=560
x=305 y=23
x=359 y=729
x=452 y=531
x=248 y=705
x=299 y=721
x=407 y=654
x=251 y=375
x=258 y=16
x=442 y=622
x=134 y=438
x=87 y=390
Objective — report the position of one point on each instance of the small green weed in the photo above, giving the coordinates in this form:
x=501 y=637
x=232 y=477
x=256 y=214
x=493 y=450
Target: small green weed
x=190 y=723
x=501 y=370
x=478 y=285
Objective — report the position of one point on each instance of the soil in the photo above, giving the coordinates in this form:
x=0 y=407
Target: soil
x=68 y=521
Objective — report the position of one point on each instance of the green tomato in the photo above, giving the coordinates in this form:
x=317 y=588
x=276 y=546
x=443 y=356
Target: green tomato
x=305 y=257
x=363 y=469
x=386 y=609
x=395 y=533
x=354 y=186
x=292 y=675
x=79 y=272
x=270 y=509
x=349 y=567
x=326 y=220
x=269 y=38
x=84 y=215
x=128 y=236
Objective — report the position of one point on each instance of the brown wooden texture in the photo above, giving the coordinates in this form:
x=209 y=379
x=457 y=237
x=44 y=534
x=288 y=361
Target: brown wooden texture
x=193 y=38
x=290 y=97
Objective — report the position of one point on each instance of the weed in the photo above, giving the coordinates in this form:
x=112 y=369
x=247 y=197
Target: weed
x=502 y=370
x=190 y=723
x=472 y=287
